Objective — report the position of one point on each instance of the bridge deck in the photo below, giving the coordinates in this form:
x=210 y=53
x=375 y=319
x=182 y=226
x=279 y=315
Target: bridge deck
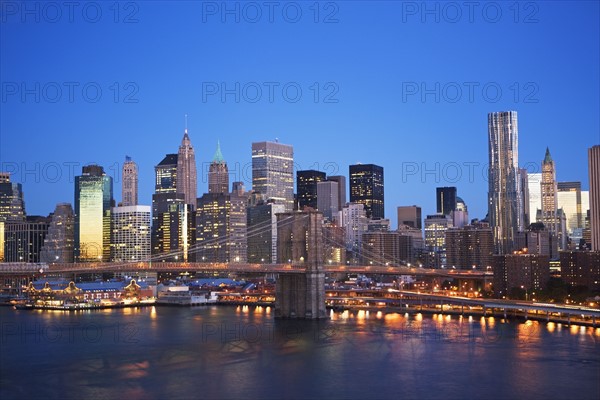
x=25 y=268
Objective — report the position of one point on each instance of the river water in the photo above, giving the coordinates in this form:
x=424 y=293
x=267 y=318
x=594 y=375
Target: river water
x=242 y=352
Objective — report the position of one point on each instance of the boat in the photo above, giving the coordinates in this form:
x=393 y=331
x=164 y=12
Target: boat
x=182 y=296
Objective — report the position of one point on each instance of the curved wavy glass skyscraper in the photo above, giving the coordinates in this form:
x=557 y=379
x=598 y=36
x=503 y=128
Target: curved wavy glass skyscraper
x=505 y=204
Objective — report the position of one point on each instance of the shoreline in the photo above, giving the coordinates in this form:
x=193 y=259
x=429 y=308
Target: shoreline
x=509 y=316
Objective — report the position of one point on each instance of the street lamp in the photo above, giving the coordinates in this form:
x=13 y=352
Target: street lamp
x=526 y=294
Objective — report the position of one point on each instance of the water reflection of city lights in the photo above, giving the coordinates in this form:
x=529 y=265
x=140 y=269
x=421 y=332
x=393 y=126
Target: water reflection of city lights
x=551 y=326
x=574 y=329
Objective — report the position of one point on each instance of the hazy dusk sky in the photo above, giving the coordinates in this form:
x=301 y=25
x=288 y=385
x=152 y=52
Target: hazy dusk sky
x=405 y=85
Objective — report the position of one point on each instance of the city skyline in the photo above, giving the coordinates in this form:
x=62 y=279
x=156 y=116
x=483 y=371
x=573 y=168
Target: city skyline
x=203 y=182
x=358 y=117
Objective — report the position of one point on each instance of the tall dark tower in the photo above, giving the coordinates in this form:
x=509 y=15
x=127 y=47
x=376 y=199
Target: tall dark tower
x=306 y=187
x=445 y=199
x=366 y=187
x=218 y=174
x=172 y=219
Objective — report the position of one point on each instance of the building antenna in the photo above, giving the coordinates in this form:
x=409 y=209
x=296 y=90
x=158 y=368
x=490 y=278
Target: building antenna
x=185 y=123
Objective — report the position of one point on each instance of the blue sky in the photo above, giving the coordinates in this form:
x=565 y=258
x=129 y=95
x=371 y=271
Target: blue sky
x=406 y=85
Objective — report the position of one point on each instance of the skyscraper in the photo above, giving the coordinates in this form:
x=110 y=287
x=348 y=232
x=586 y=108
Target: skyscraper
x=129 y=188
x=93 y=200
x=594 y=176
x=445 y=199
x=306 y=187
x=460 y=216
x=327 y=199
x=273 y=172
x=262 y=232
x=218 y=173
x=166 y=175
x=221 y=228
x=186 y=171
x=172 y=220
x=354 y=220
x=130 y=236
x=569 y=199
x=341 y=180
x=410 y=216
x=505 y=204
x=12 y=205
x=471 y=245
x=549 y=196
x=436 y=226
x=24 y=239
x=58 y=243
x=524 y=182
x=534 y=186
x=366 y=187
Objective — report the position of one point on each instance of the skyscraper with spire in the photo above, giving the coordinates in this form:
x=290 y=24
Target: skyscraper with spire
x=221 y=218
x=186 y=171
x=505 y=204
x=129 y=187
x=218 y=174
x=549 y=194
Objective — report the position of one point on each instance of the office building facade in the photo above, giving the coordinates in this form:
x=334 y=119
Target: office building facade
x=367 y=188
x=445 y=198
x=59 y=242
x=131 y=234
x=273 y=172
x=93 y=201
x=328 y=200
x=410 y=216
x=306 y=187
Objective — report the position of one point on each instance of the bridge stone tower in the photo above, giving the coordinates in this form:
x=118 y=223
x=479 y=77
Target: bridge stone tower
x=300 y=293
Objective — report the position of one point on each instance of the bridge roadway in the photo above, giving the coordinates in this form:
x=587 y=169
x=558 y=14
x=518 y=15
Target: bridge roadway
x=31 y=268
